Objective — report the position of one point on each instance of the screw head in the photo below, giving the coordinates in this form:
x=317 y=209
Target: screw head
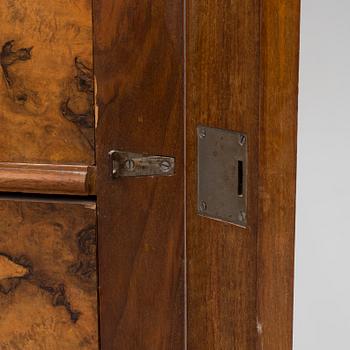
x=129 y=165
x=242 y=216
x=165 y=166
x=242 y=140
x=203 y=206
x=202 y=133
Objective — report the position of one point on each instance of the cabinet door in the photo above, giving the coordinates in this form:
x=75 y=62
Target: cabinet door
x=239 y=72
x=139 y=76
x=48 y=275
x=46 y=85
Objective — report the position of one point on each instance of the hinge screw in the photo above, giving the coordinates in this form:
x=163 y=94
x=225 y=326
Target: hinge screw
x=165 y=166
x=129 y=165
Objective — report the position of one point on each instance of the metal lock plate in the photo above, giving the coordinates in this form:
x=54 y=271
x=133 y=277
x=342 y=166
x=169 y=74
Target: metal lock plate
x=222 y=175
x=125 y=164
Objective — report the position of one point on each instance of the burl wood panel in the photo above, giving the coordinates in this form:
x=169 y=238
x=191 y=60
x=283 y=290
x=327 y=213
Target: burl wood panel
x=277 y=163
x=223 y=92
x=48 y=275
x=139 y=76
x=46 y=83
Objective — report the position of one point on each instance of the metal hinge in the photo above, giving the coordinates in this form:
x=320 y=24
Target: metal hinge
x=139 y=165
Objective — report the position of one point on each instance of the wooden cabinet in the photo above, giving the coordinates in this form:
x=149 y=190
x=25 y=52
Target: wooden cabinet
x=92 y=260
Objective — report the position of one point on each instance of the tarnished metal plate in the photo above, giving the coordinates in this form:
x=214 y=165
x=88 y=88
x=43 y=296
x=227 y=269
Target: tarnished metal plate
x=125 y=164
x=222 y=175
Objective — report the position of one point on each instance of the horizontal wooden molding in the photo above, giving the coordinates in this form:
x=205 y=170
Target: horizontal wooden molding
x=47 y=178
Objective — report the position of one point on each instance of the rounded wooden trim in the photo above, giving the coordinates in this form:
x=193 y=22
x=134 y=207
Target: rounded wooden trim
x=47 y=178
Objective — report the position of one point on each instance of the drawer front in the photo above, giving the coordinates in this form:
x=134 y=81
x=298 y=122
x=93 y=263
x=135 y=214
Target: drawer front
x=48 y=289
x=46 y=88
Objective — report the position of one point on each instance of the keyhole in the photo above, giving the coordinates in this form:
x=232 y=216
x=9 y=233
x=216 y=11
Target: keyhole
x=240 y=184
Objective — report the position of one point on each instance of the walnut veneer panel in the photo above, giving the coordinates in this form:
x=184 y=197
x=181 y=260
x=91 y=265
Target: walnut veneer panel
x=46 y=88
x=48 y=275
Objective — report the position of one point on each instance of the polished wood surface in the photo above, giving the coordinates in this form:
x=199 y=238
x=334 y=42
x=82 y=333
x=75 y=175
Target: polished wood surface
x=277 y=169
x=47 y=179
x=222 y=92
x=130 y=80
x=48 y=275
x=46 y=83
x=138 y=61
x=242 y=75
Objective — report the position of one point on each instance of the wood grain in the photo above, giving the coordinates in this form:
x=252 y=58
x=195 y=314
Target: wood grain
x=242 y=63
x=277 y=164
x=47 y=179
x=48 y=275
x=222 y=92
x=46 y=83
x=9 y=269
x=138 y=62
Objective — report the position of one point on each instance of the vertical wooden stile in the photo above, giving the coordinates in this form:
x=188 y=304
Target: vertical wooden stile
x=279 y=62
x=242 y=64
x=138 y=64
